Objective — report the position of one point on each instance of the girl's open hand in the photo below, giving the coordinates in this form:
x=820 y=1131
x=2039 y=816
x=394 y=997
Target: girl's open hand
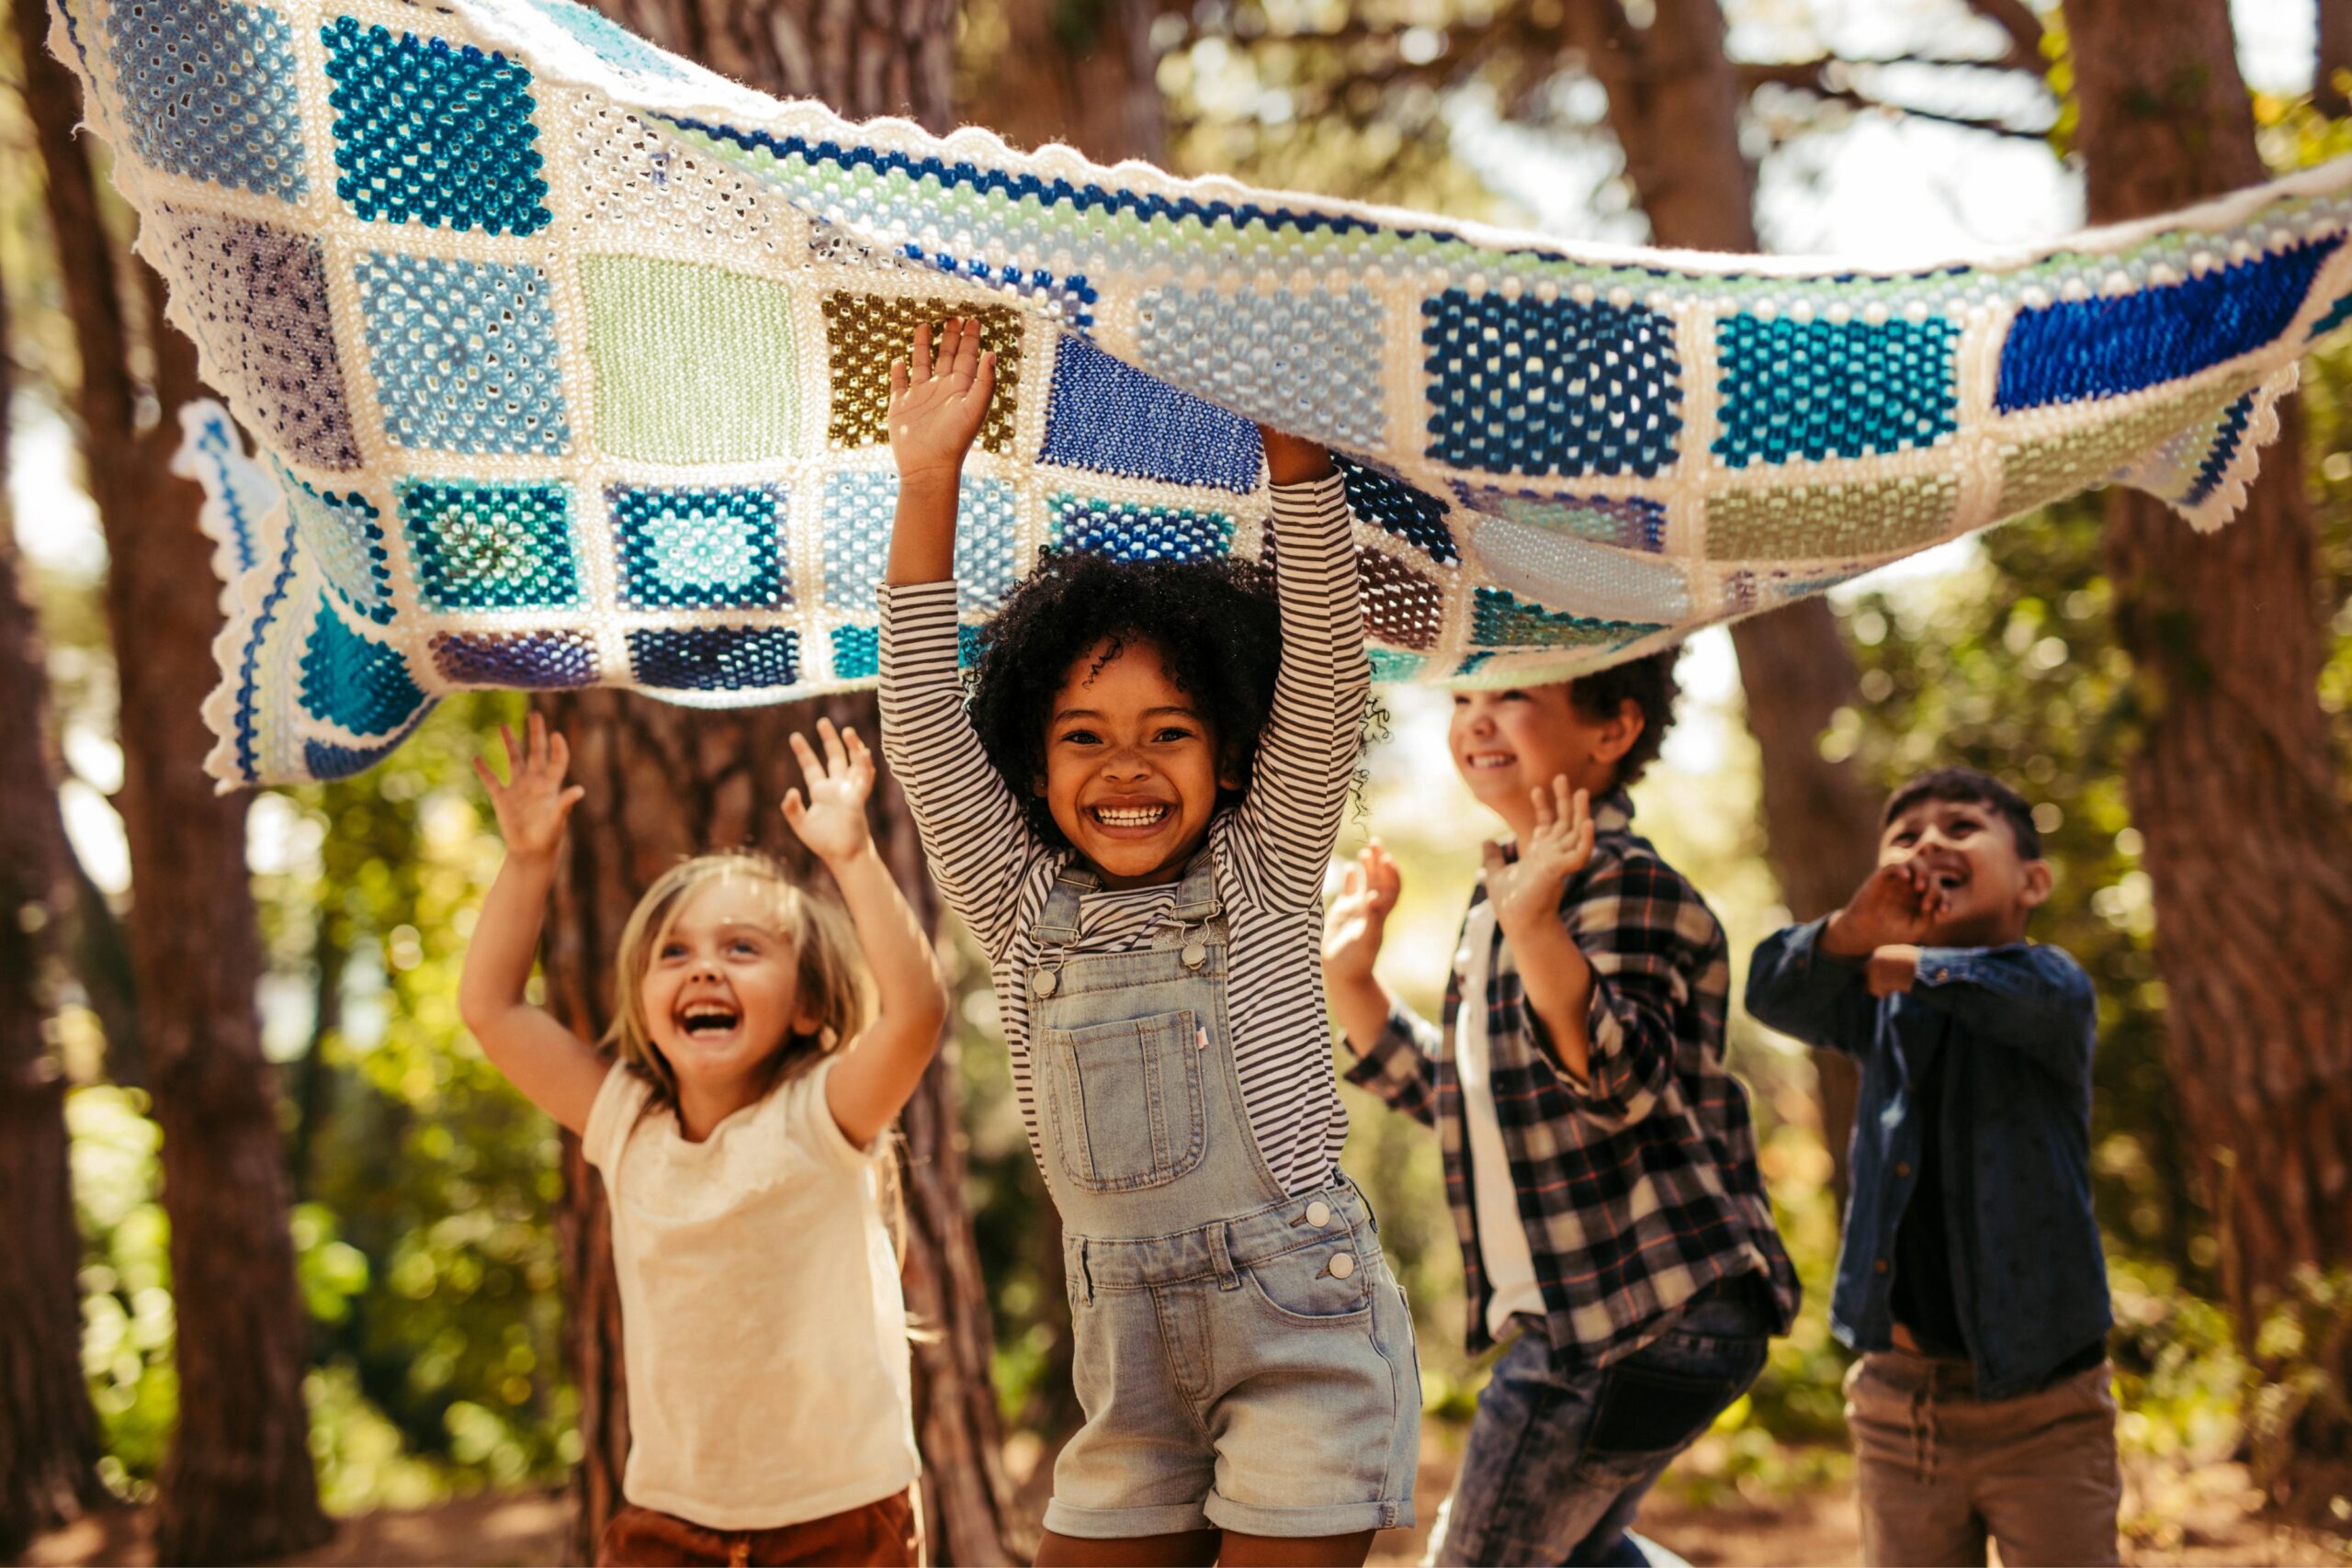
x=534 y=803
x=1528 y=889
x=1357 y=920
x=831 y=821
x=937 y=401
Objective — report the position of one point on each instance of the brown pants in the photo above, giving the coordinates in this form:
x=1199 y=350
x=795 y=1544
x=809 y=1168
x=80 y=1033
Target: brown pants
x=1938 y=1469
x=879 y=1535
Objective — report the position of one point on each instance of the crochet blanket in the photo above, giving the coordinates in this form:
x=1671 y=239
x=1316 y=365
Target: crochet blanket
x=566 y=363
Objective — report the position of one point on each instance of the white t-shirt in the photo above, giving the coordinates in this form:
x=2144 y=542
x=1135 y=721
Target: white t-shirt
x=1502 y=1234
x=763 y=1332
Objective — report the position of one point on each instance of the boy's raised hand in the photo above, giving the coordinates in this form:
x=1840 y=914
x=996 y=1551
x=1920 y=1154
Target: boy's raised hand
x=938 y=400
x=534 y=803
x=1527 y=890
x=1897 y=905
x=832 y=820
x=1357 y=922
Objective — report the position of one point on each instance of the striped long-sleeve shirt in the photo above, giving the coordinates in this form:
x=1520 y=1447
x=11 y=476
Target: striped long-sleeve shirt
x=1270 y=849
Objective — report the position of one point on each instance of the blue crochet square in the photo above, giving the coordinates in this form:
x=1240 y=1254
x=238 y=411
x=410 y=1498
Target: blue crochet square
x=715 y=659
x=211 y=90
x=1805 y=391
x=857 y=511
x=858 y=653
x=349 y=681
x=323 y=759
x=2105 y=347
x=1388 y=664
x=1500 y=620
x=344 y=536
x=2335 y=316
x=425 y=133
x=687 y=547
x=1130 y=531
x=1296 y=362
x=464 y=353
x=1531 y=386
x=491 y=546
x=531 y=661
x=1111 y=419
x=1414 y=516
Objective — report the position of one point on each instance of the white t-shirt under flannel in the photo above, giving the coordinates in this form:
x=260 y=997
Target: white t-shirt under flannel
x=1271 y=850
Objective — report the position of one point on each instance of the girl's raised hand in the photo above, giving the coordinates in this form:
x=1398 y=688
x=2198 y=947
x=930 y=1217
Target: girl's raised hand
x=534 y=803
x=937 y=402
x=1357 y=922
x=831 y=821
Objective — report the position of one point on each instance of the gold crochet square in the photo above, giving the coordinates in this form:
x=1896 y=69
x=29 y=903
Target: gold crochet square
x=865 y=331
x=1829 y=522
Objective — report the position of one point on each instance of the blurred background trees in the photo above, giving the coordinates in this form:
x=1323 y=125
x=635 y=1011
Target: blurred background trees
x=292 y=1175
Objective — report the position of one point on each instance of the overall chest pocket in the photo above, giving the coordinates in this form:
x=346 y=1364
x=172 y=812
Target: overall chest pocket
x=1123 y=1101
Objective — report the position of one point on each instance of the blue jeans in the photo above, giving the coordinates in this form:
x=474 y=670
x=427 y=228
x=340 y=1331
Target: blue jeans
x=1556 y=1465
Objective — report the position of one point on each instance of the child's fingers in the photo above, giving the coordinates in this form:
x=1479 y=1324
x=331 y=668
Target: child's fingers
x=513 y=750
x=558 y=753
x=897 y=379
x=537 y=729
x=836 y=759
x=1490 y=855
x=1544 y=817
x=796 y=811
x=489 y=779
x=920 y=360
x=572 y=797
x=968 y=354
x=1576 y=805
x=811 y=768
x=984 y=378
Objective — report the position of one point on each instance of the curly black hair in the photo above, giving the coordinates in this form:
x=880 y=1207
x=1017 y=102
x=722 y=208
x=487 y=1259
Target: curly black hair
x=1215 y=624
x=1649 y=682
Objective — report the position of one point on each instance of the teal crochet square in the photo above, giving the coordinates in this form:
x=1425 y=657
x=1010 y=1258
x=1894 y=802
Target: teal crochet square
x=858 y=653
x=344 y=536
x=350 y=681
x=1802 y=391
x=491 y=546
x=858 y=507
x=716 y=548
x=1499 y=620
x=425 y=133
x=464 y=353
x=209 y=90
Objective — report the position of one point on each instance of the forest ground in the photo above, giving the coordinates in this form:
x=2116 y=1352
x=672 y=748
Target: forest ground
x=2201 y=1516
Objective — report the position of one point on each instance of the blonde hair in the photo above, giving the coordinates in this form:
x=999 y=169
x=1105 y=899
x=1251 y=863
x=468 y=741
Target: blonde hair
x=829 y=984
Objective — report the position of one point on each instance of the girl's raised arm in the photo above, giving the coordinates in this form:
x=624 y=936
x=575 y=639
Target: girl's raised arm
x=879 y=1069
x=556 y=1070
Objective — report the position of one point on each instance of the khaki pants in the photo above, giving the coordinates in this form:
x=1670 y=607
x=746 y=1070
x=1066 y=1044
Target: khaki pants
x=1939 y=1471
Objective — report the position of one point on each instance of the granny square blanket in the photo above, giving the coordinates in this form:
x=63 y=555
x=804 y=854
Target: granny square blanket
x=565 y=364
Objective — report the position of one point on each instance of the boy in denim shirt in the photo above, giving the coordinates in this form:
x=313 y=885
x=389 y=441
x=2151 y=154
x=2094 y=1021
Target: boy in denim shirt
x=1969 y=1273
x=1599 y=1160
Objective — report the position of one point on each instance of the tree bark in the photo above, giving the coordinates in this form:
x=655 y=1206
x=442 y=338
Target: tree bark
x=665 y=781
x=48 y=1434
x=2234 y=786
x=1084 y=73
x=1674 y=106
x=238 y=1483
x=2332 y=63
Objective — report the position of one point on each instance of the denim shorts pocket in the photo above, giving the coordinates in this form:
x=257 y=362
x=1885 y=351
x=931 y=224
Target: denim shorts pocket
x=1123 y=1101
x=1645 y=1413
x=1298 y=1288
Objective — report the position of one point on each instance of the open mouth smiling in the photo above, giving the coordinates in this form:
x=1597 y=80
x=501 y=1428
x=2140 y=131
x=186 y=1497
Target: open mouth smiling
x=699 y=1020
x=1141 y=818
x=1485 y=760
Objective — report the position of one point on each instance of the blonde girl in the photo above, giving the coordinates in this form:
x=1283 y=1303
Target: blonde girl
x=737 y=1114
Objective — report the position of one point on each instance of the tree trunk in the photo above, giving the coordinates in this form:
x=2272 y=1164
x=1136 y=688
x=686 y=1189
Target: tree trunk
x=2332 y=63
x=238 y=1483
x=2235 y=786
x=1083 y=73
x=665 y=781
x=1674 y=106
x=48 y=1434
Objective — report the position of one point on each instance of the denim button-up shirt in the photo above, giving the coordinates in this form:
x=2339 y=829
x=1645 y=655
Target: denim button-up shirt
x=2018 y=1023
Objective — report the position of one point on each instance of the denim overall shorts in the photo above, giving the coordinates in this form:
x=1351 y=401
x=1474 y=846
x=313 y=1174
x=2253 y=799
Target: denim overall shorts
x=1244 y=1357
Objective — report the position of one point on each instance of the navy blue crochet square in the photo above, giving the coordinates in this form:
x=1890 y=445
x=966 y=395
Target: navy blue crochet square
x=1130 y=531
x=1413 y=515
x=425 y=133
x=2227 y=439
x=717 y=547
x=1531 y=386
x=2111 y=344
x=715 y=659
x=353 y=681
x=1499 y=619
x=323 y=759
x=531 y=661
x=1111 y=419
x=1801 y=391
x=209 y=90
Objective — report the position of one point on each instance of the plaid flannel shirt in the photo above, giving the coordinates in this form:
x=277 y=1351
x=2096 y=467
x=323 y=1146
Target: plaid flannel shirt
x=1639 y=1187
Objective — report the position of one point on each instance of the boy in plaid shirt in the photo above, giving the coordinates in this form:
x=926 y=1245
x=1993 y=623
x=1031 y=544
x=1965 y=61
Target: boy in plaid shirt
x=1598 y=1158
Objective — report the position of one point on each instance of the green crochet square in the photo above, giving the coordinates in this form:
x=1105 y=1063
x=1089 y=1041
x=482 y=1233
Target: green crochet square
x=2035 y=473
x=693 y=364
x=1830 y=521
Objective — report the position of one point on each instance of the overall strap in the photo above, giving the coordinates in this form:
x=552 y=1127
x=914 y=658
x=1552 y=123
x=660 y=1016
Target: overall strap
x=1056 y=924
x=1197 y=899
